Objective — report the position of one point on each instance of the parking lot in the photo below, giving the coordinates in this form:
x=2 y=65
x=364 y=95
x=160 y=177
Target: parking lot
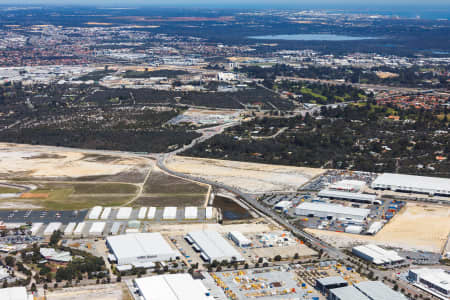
x=42 y=216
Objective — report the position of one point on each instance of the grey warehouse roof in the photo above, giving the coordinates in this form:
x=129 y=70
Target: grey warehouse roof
x=376 y=290
x=334 y=208
x=331 y=280
x=347 y=195
x=348 y=292
x=214 y=245
x=413 y=182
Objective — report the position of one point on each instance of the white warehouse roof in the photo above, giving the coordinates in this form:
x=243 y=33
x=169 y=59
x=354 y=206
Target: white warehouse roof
x=36 y=227
x=124 y=213
x=170 y=213
x=283 y=204
x=79 y=229
x=214 y=246
x=437 y=277
x=209 y=212
x=142 y=213
x=190 y=212
x=70 y=228
x=333 y=209
x=151 y=212
x=137 y=247
x=347 y=195
x=348 y=185
x=106 y=212
x=172 y=287
x=97 y=228
x=377 y=254
x=52 y=227
x=95 y=212
x=413 y=183
x=14 y=293
x=348 y=292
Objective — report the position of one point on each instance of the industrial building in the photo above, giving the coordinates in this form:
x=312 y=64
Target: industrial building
x=213 y=246
x=151 y=213
x=97 y=229
x=354 y=229
x=35 y=228
x=378 y=255
x=375 y=227
x=15 y=293
x=170 y=213
x=434 y=281
x=138 y=248
x=331 y=211
x=283 y=205
x=327 y=283
x=348 y=185
x=95 y=212
x=106 y=212
x=354 y=197
x=190 y=213
x=346 y=293
x=171 y=287
x=79 y=229
x=115 y=228
x=142 y=213
x=239 y=239
x=411 y=183
x=53 y=255
x=70 y=228
x=52 y=227
x=124 y=213
x=376 y=290
x=209 y=212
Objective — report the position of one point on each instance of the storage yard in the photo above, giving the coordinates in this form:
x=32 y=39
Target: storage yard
x=418 y=227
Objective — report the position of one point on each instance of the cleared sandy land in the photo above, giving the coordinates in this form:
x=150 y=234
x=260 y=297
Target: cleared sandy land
x=420 y=227
x=98 y=292
x=45 y=162
x=249 y=177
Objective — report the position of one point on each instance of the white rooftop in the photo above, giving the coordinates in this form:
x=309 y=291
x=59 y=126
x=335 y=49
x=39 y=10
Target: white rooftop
x=378 y=254
x=438 y=277
x=348 y=292
x=170 y=212
x=140 y=245
x=14 y=293
x=334 y=208
x=376 y=290
x=214 y=245
x=172 y=287
x=412 y=181
x=347 y=195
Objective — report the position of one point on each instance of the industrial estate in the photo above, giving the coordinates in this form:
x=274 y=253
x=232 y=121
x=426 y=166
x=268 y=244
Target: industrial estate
x=156 y=154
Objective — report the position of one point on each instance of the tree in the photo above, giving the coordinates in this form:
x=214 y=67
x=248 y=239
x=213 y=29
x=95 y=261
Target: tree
x=119 y=278
x=55 y=237
x=277 y=258
x=33 y=287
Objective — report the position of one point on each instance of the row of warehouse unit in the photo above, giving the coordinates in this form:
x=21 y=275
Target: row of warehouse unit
x=412 y=183
x=331 y=211
x=355 y=197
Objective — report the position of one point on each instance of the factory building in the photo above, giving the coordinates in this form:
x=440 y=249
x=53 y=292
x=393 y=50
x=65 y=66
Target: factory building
x=151 y=213
x=106 y=212
x=95 y=212
x=124 y=213
x=348 y=185
x=140 y=248
x=170 y=213
x=79 y=229
x=331 y=211
x=346 y=293
x=378 y=255
x=171 y=287
x=354 y=197
x=327 y=283
x=283 y=205
x=36 y=227
x=53 y=255
x=376 y=290
x=239 y=239
x=15 y=293
x=115 y=228
x=97 y=229
x=434 y=281
x=70 y=228
x=52 y=227
x=190 y=213
x=411 y=183
x=213 y=246
x=142 y=213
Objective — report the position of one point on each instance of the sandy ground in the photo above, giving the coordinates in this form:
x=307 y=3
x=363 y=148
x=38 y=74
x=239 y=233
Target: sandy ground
x=37 y=161
x=249 y=177
x=181 y=229
x=418 y=227
x=97 y=292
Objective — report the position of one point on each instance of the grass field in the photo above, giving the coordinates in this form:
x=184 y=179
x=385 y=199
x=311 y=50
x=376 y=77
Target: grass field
x=165 y=190
x=8 y=190
x=79 y=195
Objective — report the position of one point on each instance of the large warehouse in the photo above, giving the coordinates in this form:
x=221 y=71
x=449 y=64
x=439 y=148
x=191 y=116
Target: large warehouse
x=172 y=287
x=15 y=293
x=376 y=290
x=378 y=255
x=436 y=281
x=411 y=183
x=213 y=246
x=335 y=211
x=355 y=197
x=140 y=248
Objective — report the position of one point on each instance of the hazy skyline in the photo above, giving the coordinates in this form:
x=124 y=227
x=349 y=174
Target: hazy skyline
x=233 y=3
